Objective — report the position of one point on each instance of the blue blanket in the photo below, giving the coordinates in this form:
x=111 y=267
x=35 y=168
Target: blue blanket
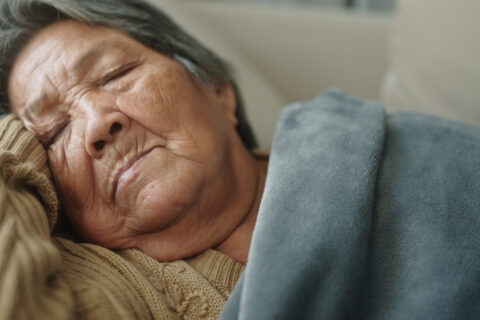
x=365 y=216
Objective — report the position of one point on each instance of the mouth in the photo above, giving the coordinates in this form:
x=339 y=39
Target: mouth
x=122 y=176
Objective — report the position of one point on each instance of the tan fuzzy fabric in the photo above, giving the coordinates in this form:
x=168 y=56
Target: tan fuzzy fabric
x=48 y=277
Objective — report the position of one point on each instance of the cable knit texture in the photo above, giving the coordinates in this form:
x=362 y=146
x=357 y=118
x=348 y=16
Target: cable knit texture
x=50 y=277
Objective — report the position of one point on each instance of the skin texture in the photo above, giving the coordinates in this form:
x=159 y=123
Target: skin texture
x=142 y=153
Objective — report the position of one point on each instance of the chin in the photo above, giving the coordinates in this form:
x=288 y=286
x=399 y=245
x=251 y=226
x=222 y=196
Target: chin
x=157 y=210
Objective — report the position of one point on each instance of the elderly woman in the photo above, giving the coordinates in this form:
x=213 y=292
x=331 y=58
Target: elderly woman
x=145 y=137
x=152 y=133
x=148 y=148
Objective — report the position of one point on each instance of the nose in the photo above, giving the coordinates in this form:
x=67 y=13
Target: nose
x=102 y=130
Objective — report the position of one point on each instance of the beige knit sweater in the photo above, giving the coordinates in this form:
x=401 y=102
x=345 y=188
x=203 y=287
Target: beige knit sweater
x=50 y=277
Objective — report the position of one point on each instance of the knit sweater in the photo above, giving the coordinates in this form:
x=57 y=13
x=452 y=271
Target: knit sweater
x=45 y=276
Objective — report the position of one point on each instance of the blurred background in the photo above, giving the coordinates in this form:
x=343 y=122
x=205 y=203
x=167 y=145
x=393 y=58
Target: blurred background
x=385 y=5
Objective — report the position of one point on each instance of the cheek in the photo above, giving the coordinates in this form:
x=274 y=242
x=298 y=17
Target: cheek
x=76 y=190
x=164 y=104
x=148 y=104
x=82 y=200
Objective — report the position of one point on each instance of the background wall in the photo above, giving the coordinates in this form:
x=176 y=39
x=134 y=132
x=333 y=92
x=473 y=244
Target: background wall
x=355 y=4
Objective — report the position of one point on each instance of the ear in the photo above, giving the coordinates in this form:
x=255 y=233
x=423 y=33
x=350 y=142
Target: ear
x=227 y=97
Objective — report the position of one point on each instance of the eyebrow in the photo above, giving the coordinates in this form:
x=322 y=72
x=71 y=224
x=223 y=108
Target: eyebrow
x=94 y=53
x=90 y=56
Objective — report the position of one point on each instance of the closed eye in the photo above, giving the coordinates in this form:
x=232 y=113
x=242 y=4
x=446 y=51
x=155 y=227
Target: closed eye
x=116 y=75
x=53 y=137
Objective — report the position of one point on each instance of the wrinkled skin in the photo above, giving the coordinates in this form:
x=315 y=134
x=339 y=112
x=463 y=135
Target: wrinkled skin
x=143 y=154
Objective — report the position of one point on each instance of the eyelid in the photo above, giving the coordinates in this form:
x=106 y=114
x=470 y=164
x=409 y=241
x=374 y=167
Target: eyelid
x=57 y=132
x=117 y=73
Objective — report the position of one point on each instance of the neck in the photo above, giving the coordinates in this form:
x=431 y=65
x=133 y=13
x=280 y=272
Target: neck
x=237 y=244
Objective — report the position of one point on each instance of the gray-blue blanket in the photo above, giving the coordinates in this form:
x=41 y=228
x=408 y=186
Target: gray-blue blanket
x=365 y=216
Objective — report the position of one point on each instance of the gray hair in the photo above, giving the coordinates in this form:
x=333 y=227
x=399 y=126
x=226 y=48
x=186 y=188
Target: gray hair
x=20 y=20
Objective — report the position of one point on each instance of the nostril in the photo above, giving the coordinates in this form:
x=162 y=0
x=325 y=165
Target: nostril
x=115 y=128
x=99 y=145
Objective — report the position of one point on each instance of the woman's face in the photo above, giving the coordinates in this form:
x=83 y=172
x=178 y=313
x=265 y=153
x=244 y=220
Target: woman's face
x=139 y=150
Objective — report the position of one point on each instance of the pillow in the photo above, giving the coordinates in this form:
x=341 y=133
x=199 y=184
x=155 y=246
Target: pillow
x=23 y=159
x=435 y=59
x=262 y=101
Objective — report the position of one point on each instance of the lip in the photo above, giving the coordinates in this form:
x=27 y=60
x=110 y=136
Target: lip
x=133 y=161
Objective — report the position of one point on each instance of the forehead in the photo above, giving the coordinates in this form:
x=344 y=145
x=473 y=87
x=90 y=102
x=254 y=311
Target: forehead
x=64 y=46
